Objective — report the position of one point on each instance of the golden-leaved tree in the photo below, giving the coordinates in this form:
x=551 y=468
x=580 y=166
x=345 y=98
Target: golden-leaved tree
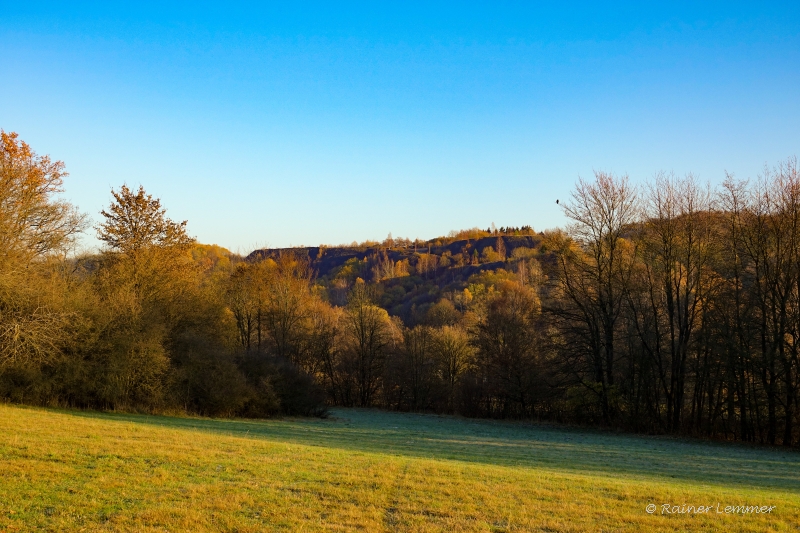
x=145 y=284
x=35 y=226
x=369 y=335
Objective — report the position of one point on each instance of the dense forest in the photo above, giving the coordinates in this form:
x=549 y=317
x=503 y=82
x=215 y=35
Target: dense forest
x=669 y=308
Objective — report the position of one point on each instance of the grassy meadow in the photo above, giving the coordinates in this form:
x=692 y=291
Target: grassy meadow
x=373 y=471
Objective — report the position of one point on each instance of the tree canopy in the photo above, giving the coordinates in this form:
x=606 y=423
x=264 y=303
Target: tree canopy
x=33 y=222
x=136 y=221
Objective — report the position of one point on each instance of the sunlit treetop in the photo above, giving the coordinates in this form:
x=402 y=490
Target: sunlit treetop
x=33 y=223
x=136 y=221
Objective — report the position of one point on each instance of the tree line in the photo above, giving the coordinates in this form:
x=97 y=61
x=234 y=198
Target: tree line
x=142 y=325
x=669 y=308
x=678 y=306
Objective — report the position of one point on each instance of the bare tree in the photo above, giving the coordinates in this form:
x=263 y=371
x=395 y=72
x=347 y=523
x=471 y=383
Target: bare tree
x=675 y=244
x=594 y=275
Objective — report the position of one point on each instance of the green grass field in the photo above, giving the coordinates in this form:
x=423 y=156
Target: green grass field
x=373 y=471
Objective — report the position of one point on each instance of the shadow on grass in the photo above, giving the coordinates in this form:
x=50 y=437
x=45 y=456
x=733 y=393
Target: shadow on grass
x=511 y=444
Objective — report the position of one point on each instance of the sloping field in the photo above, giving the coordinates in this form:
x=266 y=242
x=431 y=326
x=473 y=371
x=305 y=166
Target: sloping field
x=374 y=471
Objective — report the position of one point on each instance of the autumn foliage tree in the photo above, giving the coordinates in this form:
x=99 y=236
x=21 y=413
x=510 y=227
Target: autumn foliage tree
x=509 y=349
x=34 y=226
x=143 y=239
x=34 y=223
x=368 y=335
x=142 y=275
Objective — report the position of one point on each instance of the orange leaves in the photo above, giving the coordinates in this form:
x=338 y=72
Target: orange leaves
x=32 y=223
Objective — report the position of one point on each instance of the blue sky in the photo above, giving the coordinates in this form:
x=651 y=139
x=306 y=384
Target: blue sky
x=314 y=123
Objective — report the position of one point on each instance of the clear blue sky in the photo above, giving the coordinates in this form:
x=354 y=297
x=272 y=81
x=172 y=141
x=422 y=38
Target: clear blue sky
x=323 y=123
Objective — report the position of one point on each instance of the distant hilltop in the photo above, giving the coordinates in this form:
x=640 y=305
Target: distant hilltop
x=325 y=260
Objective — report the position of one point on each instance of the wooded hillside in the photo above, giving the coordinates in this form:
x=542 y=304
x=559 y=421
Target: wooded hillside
x=671 y=307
